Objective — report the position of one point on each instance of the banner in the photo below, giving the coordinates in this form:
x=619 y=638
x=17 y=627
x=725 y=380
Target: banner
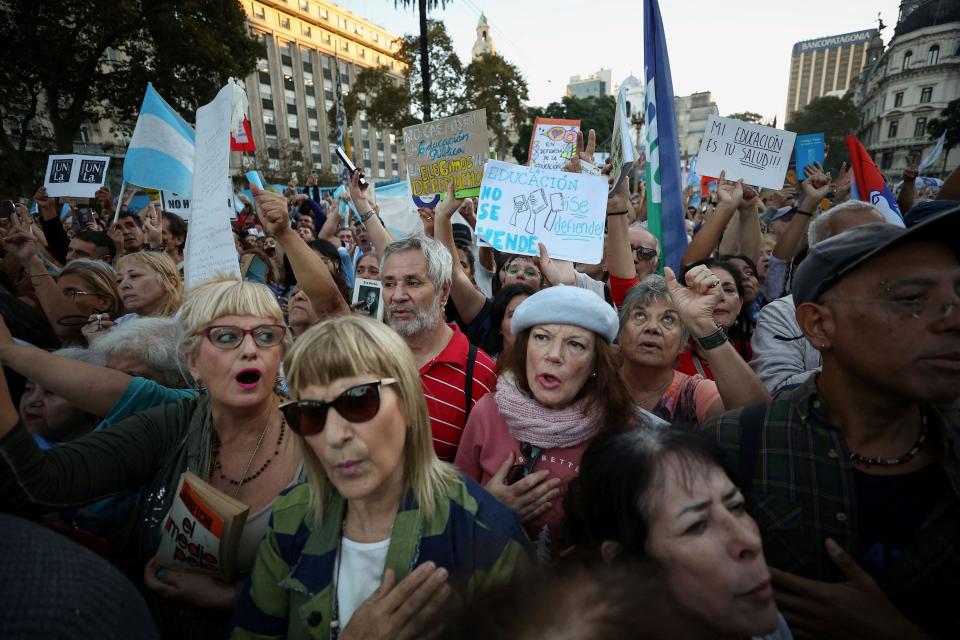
x=447 y=150
x=242 y=140
x=160 y=154
x=553 y=143
x=757 y=154
x=521 y=206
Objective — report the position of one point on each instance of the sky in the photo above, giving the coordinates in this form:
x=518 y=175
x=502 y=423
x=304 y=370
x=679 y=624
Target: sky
x=737 y=49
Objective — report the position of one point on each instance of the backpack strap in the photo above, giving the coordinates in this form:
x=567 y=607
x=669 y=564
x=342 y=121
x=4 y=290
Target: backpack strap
x=751 y=431
x=468 y=381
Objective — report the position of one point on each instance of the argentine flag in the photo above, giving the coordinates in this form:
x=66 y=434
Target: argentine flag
x=160 y=155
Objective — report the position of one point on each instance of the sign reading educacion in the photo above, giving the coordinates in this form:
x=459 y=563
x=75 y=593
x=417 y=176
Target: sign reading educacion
x=756 y=154
x=447 y=150
x=522 y=206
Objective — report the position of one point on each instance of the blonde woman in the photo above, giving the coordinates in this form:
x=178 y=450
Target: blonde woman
x=149 y=285
x=384 y=533
x=233 y=339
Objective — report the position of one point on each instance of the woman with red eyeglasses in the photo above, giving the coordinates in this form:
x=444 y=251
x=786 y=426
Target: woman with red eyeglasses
x=383 y=535
x=232 y=434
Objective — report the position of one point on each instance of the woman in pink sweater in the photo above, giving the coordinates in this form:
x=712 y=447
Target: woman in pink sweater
x=560 y=387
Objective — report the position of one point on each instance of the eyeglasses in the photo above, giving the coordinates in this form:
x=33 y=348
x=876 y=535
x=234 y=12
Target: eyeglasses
x=73 y=293
x=528 y=272
x=521 y=470
x=226 y=337
x=910 y=307
x=357 y=404
x=645 y=253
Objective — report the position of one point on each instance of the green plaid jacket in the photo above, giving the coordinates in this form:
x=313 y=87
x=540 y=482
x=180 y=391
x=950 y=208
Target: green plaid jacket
x=803 y=491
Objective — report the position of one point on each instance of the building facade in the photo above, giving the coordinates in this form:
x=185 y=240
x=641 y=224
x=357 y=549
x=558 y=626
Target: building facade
x=294 y=87
x=910 y=84
x=596 y=84
x=484 y=42
x=826 y=66
x=692 y=113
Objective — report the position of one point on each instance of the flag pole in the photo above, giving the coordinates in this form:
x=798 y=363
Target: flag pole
x=116 y=213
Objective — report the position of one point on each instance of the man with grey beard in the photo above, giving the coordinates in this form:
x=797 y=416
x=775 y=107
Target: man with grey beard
x=416 y=272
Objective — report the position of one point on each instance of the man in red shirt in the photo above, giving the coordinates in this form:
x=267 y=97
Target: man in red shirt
x=416 y=273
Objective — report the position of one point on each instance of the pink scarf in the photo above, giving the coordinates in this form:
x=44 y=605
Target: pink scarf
x=531 y=422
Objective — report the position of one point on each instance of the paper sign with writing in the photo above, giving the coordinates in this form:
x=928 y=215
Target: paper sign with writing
x=176 y=204
x=521 y=206
x=810 y=148
x=553 y=143
x=447 y=150
x=210 y=249
x=622 y=152
x=756 y=154
x=75 y=175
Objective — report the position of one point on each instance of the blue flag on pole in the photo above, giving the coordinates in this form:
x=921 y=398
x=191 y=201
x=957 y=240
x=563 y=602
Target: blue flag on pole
x=160 y=155
x=665 y=212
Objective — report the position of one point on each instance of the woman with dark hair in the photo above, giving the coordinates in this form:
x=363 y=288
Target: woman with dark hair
x=729 y=314
x=663 y=496
x=331 y=258
x=499 y=339
x=561 y=386
x=174 y=235
x=753 y=297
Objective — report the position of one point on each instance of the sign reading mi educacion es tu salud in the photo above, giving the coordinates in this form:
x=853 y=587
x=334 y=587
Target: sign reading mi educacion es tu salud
x=842 y=40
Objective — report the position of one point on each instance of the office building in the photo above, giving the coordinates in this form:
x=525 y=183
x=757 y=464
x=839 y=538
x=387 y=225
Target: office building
x=909 y=85
x=293 y=88
x=692 y=113
x=596 y=84
x=826 y=66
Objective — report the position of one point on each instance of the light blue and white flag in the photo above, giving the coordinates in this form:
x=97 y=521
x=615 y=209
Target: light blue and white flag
x=160 y=155
x=934 y=153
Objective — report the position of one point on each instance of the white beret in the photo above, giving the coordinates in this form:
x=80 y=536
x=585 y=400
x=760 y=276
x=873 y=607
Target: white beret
x=567 y=305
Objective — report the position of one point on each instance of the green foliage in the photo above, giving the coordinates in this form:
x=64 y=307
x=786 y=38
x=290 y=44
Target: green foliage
x=381 y=97
x=594 y=112
x=499 y=87
x=835 y=118
x=56 y=55
x=949 y=120
x=746 y=116
x=446 y=72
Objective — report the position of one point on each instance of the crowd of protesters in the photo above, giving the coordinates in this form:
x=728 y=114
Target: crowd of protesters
x=764 y=444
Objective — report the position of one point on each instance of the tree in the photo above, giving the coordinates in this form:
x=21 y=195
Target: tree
x=424 y=6
x=446 y=72
x=499 y=87
x=948 y=121
x=72 y=62
x=593 y=112
x=835 y=118
x=381 y=97
x=746 y=116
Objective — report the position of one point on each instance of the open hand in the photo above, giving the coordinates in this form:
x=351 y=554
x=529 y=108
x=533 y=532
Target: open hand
x=729 y=193
x=198 y=589
x=816 y=186
x=403 y=610
x=530 y=496
x=556 y=271
x=152 y=225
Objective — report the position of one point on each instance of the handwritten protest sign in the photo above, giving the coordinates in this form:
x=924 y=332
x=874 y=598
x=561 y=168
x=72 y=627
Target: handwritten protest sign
x=756 y=154
x=553 y=143
x=521 y=206
x=447 y=150
x=75 y=175
x=176 y=204
x=210 y=249
x=622 y=152
x=810 y=148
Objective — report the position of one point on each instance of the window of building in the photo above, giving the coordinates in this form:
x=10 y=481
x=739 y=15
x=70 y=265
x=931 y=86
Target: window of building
x=317 y=159
x=294 y=134
x=264 y=78
x=268 y=117
x=306 y=64
x=920 y=128
x=383 y=167
x=292 y=121
x=361 y=52
x=288 y=83
x=327 y=38
x=285 y=22
x=898 y=99
x=933 y=55
x=886 y=160
x=366 y=155
x=341 y=22
x=305 y=30
x=292 y=108
x=305 y=6
x=311 y=91
x=259 y=12
x=907 y=57
x=926 y=94
x=311 y=113
x=267 y=104
x=324 y=13
x=892 y=130
x=314 y=135
x=273 y=152
x=345 y=45
x=271 y=129
x=376 y=37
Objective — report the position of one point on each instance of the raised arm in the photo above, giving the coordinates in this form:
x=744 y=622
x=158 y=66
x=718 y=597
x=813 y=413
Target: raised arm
x=620 y=212
x=908 y=190
x=312 y=275
x=814 y=188
x=370 y=219
x=750 y=234
x=328 y=231
x=706 y=241
x=465 y=296
x=738 y=384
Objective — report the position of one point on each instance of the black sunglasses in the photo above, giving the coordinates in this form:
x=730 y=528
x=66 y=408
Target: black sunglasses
x=357 y=404
x=645 y=253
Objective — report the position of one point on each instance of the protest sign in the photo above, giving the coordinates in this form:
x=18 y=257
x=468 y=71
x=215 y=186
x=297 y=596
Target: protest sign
x=447 y=150
x=368 y=297
x=756 y=154
x=521 y=206
x=553 y=143
x=176 y=204
x=75 y=175
x=809 y=149
x=210 y=249
x=622 y=152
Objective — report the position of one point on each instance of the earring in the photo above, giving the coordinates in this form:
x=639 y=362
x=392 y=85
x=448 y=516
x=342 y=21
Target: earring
x=593 y=375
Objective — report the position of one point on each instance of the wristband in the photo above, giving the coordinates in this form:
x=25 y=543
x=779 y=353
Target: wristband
x=804 y=213
x=617 y=213
x=712 y=340
x=366 y=216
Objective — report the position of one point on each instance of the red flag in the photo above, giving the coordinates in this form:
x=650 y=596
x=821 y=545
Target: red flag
x=869 y=184
x=242 y=140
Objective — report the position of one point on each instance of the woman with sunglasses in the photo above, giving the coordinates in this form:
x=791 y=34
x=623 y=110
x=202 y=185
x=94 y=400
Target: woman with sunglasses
x=232 y=435
x=383 y=535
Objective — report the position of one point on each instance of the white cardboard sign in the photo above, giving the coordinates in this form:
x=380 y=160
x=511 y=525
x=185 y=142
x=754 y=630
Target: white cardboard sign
x=521 y=206
x=177 y=204
x=74 y=175
x=756 y=154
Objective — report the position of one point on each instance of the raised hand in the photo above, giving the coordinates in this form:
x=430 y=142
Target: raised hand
x=105 y=198
x=469 y=212
x=556 y=271
x=45 y=204
x=426 y=217
x=360 y=200
x=816 y=186
x=782 y=197
x=842 y=184
x=446 y=207
x=272 y=211
x=152 y=225
x=695 y=302
x=729 y=193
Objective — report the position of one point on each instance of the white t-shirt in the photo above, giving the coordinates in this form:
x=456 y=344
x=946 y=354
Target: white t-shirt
x=361 y=572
